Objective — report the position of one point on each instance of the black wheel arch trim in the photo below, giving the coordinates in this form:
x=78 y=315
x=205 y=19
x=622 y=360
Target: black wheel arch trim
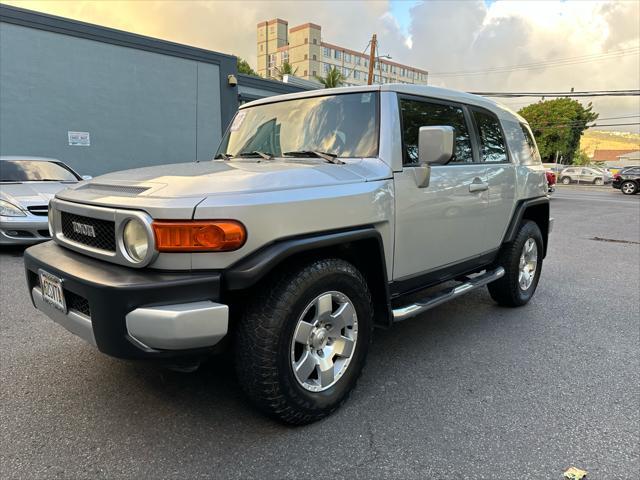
x=519 y=214
x=250 y=270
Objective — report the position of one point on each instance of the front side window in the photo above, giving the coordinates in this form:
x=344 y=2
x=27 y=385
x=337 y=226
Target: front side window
x=492 y=144
x=344 y=125
x=416 y=114
x=35 y=171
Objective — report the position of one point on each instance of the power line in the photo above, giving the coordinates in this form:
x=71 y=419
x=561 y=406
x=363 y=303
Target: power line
x=559 y=62
x=589 y=93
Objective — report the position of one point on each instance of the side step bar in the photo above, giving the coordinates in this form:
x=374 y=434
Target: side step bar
x=443 y=296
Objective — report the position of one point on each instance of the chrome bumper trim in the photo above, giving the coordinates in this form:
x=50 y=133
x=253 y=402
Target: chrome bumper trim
x=178 y=327
x=75 y=322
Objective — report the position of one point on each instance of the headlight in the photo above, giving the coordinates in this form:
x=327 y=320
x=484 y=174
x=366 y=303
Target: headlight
x=136 y=240
x=10 y=210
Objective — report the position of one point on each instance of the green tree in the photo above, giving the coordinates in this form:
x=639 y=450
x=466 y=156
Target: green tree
x=244 y=67
x=285 y=69
x=558 y=125
x=581 y=159
x=333 y=78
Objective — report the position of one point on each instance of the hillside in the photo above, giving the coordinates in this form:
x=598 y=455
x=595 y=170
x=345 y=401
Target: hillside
x=606 y=140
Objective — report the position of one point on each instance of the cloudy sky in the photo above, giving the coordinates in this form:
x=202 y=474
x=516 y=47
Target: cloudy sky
x=587 y=45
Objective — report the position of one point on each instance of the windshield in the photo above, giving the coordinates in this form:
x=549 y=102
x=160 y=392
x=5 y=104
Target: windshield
x=33 y=171
x=342 y=125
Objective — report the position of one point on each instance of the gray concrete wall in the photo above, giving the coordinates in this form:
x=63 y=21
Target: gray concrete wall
x=140 y=107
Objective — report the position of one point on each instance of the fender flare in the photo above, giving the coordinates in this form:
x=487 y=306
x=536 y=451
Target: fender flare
x=519 y=214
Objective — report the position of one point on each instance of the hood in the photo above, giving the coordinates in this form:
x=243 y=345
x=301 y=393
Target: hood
x=219 y=177
x=31 y=193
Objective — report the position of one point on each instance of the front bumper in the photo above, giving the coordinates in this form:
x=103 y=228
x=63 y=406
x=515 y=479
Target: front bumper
x=23 y=230
x=129 y=313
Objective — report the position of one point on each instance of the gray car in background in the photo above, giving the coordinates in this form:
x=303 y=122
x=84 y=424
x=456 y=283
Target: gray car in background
x=26 y=186
x=592 y=175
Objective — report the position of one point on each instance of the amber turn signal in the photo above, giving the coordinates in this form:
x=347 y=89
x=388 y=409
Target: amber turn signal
x=199 y=235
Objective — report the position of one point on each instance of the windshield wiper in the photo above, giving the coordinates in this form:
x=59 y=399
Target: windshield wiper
x=223 y=156
x=329 y=157
x=256 y=153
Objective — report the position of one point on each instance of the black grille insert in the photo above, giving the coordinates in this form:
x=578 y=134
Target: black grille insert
x=77 y=303
x=41 y=210
x=104 y=230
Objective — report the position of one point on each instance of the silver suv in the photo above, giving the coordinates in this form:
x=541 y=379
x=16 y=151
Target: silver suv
x=584 y=175
x=324 y=214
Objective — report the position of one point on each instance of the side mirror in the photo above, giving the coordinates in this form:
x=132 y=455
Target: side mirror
x=435 y=146
x=87 y=177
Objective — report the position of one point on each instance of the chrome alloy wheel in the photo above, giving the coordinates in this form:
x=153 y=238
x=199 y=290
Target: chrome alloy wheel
x=628 y=188
x=528 y=264
x=324 y=341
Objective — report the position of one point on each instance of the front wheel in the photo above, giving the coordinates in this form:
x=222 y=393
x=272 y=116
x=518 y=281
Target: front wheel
x=522 y=263
x=598 y=181
x=565 y=180
x=629 y=188
x=302 y=343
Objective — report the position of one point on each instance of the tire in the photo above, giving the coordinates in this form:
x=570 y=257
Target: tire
x=565 y=180
x=598 y=181
x=507 y=291
x=629 y=188
x=267 y=349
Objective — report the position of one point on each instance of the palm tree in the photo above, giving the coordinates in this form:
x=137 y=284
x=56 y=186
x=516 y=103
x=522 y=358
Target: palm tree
x=285 y=69
x=333 y=78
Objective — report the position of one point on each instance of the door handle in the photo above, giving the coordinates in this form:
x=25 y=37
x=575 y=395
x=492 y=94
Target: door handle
x=478 y=185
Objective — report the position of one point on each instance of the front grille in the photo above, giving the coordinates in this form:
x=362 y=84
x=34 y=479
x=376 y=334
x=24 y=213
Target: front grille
x=41 y=210
x=77 y=303
x=105 y=237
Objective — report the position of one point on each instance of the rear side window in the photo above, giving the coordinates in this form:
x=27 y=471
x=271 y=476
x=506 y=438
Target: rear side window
x=492 y=144
x=416 y=114
x=535 y=155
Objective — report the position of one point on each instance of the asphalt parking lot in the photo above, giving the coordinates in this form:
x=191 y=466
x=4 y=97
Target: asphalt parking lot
x=469 y=390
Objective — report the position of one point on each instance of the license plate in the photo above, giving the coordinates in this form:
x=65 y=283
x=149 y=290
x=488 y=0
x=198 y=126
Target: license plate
x=52 y=292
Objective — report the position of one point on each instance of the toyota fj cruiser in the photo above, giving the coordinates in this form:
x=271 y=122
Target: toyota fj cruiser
x=321 y=215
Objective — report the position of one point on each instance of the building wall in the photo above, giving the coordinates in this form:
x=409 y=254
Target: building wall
x=140 y=107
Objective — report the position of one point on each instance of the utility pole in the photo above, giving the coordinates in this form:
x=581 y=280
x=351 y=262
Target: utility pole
x=372 y=59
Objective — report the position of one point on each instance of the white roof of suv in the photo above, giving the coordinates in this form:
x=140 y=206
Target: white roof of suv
x=420 y=90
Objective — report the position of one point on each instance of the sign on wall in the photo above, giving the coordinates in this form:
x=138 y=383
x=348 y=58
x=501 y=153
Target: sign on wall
x=79 y=139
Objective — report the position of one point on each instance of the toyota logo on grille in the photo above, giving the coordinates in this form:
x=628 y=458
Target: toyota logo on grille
x=84 y=229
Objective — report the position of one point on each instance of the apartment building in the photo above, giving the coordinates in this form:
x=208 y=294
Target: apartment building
x=302 y=46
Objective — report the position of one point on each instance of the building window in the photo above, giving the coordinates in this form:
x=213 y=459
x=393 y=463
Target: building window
x=314 y=57
x=347 y=58
x=315 y=41
x=356 y=75
x=393 y=69
x=261 y=47
x=326 y=51
x=326 y=67
x=337 y=54
x=305 y=73
x=345 y=72
x=306 y=56
x=315 y=73
x=272 y=60
x=284 y=56
x=357 y=60
x=366 y=63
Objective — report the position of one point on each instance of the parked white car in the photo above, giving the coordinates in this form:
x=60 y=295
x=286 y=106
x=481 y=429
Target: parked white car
x=322 y=215
x=26 y=186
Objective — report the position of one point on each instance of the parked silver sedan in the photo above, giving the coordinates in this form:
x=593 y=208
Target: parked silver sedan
x=584 y=175
x=26 y=186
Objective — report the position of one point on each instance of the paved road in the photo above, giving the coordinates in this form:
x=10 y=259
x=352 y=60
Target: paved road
x=469 y=390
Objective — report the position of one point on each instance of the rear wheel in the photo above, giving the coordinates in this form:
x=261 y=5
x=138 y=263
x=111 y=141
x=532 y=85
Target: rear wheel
x=629 y=187
x=565 y=180
x=598 y=181
x=522 y=262
x=302 y=342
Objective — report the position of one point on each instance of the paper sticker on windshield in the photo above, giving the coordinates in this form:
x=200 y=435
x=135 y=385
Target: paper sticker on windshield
x=365 y=98
x=238 y=121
